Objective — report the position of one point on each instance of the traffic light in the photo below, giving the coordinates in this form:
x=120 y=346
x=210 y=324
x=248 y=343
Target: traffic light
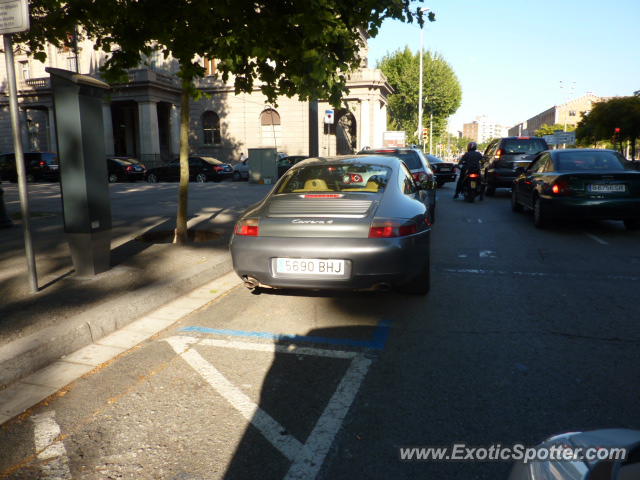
x=617 y=138
x=425 y=134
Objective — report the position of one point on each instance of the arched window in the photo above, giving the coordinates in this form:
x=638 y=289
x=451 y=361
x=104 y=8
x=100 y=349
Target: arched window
x=270 y=128
x=211 y=128
x=269 y=117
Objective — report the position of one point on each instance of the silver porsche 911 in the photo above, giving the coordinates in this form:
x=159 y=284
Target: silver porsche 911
x=355 y=222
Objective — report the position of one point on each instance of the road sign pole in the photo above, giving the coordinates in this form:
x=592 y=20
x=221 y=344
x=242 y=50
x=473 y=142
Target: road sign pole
x=17 y=146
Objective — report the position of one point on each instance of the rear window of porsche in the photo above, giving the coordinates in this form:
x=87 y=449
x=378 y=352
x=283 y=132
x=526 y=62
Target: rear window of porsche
x=354 y=177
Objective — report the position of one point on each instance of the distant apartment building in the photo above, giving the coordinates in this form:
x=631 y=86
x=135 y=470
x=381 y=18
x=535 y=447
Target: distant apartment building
x=470 y=131
x=569 y=114
x=483 y=129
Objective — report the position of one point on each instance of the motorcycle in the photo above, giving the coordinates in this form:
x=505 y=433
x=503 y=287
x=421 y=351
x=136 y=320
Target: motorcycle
x=472 y=187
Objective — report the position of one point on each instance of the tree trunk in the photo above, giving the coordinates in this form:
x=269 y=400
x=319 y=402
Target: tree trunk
x=633 y=148
x=183 y=192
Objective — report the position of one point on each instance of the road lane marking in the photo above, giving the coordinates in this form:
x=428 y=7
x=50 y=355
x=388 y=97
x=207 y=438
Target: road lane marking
x=270 y=429
x=596 y=238
x=487 y=254
x=586 y=275
x=310 y=459
x=378 y=342
x=50 y=450
x=307 y=459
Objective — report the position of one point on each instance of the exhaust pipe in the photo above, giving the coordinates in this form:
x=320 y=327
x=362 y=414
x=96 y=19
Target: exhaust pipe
x=250 y=282
x=382 y=287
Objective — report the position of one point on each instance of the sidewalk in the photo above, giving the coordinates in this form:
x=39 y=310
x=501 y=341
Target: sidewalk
x=69 y=313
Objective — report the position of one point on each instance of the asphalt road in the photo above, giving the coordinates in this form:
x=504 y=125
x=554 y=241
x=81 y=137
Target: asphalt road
x=525 y=333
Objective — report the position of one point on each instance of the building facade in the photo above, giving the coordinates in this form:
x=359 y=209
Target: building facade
x=141 y=116
x=483 y=129
x=568 y=115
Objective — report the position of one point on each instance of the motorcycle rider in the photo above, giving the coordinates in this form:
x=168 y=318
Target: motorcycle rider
x=469 y=163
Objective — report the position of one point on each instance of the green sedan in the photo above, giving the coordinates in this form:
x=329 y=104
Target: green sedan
x=583 y=183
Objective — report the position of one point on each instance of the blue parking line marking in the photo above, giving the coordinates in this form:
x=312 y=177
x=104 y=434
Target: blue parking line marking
x=378 y=342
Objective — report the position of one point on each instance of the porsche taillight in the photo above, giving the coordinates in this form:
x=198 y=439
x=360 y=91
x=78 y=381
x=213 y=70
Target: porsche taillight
x=383 y=228
x=249 y=227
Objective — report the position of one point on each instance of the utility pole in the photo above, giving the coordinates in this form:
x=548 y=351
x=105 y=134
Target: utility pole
x=420 y=132
x=18 y=21
x=431 y=134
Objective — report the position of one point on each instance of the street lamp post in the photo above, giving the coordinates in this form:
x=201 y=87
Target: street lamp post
x=420 y=132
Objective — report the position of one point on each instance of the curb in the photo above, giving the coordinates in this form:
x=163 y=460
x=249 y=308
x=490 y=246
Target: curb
x=34 y=388
x=24 y=356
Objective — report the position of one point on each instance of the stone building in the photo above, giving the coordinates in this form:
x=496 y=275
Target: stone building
x=569 y=114
x=141 y=116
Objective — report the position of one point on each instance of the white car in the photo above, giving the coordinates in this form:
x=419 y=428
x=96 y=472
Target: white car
x=241 y=171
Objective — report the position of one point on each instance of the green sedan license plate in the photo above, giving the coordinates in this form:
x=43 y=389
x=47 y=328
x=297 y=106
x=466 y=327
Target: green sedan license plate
x=607 y=188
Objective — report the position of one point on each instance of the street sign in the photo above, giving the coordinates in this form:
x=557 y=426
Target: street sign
x=560 y=138
x=394 y=138
x=328 y=117
x=14 y=16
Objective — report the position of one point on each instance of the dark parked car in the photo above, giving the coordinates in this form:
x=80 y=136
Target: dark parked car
x=285 y=163
x=444 y=171
x=420 y=169
x=201 y=169
x=586 y=183
x=39 y=166
x=503 y=155
x=357 y=222
x=121 y=169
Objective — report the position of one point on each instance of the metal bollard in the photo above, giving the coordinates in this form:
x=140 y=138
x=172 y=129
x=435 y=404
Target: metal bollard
x=5 y=221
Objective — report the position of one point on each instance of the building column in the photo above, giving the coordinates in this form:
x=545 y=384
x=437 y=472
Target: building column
x=109 y=147
x=24 y=129
x=148 y=131
x=53 y=143
x=174 y=131
x=365 y=125
x=380 y=122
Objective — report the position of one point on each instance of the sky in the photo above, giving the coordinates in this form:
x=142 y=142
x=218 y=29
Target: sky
x=510 y=56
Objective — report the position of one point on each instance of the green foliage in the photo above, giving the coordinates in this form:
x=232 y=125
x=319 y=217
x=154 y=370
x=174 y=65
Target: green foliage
x=547 y=129
x=442 y=93
x=605 y=117
x=293 y=47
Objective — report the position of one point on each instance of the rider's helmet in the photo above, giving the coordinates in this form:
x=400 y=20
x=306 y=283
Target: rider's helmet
x=472 y=146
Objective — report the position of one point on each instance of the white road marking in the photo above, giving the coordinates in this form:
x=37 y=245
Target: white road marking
x=482 y=271
x=306 y=459
x=596 y=238
x=312 y=456
x=52 y=453
x=272 y=430
x=487 y=254
x=271 y=347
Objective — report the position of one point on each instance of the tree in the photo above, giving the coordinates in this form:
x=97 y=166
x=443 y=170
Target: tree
x=293 y=47
x=600 y=124
x=547 y=129
x=442 y=93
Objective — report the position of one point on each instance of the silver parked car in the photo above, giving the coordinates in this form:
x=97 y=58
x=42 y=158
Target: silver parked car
x=598 y=456
x=356 y=222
